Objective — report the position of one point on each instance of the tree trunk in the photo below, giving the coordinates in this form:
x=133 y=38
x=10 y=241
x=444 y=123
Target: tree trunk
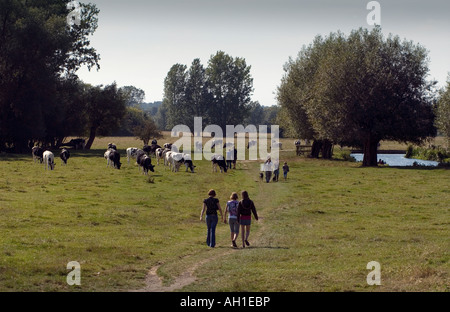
x=92 y=134
x=315 y=149
x=327 y=149
x=370 y=152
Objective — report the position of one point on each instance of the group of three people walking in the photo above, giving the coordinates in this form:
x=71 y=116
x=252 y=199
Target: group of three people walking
x=239 y=215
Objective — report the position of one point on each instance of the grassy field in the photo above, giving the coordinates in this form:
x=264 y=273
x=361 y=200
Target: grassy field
x=317 y=232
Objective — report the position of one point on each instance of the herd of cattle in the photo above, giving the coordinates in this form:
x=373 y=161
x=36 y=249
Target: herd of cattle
x=169 y=155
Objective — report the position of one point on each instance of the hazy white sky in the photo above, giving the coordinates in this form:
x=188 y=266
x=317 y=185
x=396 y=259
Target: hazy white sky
x=139 y=40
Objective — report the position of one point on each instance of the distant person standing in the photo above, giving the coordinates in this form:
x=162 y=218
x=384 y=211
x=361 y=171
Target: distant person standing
x=230 y=155
x=268 y=167
x=232 y=209
x=285 y=170
x=211 y=205
x=245 y=209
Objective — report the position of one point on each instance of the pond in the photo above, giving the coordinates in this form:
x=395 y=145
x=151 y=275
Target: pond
x=398 y=160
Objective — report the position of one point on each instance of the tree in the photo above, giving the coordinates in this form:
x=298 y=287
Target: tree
x=231 y=86
x=174 y=99
x=135 y=96
x=443 y=113
x=39 y=55
x=361 y=89
x=105 y=108
x=198 y=98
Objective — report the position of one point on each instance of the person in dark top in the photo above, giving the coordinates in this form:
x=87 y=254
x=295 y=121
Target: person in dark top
x=210 y=206
x=245 y=209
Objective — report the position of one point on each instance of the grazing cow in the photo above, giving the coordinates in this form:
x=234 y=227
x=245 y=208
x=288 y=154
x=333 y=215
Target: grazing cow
x=139 y=157
x=218 y=161
x=131 y=153
x=65 y=155
x=252 y=143
x=38 y=154
x=176 y=161
x=49 y=160
x=146 y=163
x=114 y=158
x=188 y=162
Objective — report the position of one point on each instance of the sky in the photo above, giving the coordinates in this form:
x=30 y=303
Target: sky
x=139 y=40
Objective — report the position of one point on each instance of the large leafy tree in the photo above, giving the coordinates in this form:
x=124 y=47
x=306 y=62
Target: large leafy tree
x=231 y=85
x=39 y=56
x=364 y=88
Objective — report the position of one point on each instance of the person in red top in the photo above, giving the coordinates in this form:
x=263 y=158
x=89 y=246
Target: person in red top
x=245 y=209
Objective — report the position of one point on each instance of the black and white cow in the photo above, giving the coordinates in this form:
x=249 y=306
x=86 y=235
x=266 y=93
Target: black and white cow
x=168 y=145
x=145 y=162
x=65 y=155
x=114 y=158
x=38 y=154
x=188 y=162
x=218 y=161
x=131 y=153
x=49 y=160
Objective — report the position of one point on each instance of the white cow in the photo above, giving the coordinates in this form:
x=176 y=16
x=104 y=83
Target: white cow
x=131 y=153
x=49 y=160
x=168 y=159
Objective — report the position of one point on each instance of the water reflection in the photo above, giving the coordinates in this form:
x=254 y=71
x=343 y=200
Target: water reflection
x=398 y=160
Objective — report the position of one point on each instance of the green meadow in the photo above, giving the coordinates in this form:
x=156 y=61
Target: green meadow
x=317 y=231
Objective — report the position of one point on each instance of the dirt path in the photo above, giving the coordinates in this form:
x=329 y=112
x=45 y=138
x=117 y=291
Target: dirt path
x=154 y=282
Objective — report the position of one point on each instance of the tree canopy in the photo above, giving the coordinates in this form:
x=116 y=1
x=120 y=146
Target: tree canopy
x=220 y=93
x=39 y=56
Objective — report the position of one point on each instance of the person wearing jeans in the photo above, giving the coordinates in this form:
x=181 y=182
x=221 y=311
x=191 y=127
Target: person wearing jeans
x=210 y=206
